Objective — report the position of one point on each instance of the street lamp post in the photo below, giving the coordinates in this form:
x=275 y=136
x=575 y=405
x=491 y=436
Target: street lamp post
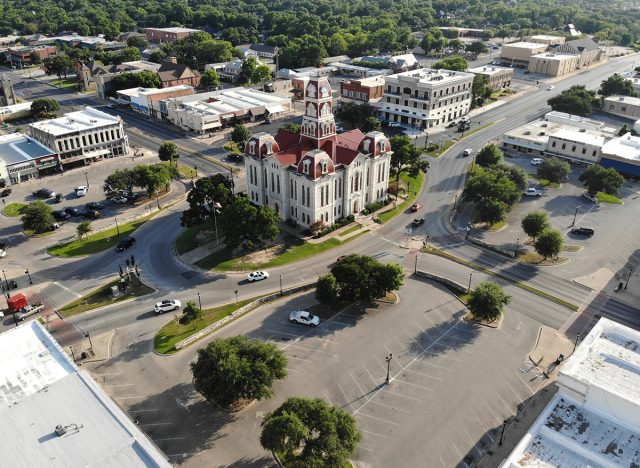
x=87 y=335
x=575 y=344
x=29 y=275
x=628 y=278
x=86 y=176
x=574 y=216
x=388 y=359
x=515 y=255
x=5 y=279
x=281 y=285
x=469 y=288
x=415 y=266
x=236 y=291
x=199 y=302
x=117 y=227
x=504 y=426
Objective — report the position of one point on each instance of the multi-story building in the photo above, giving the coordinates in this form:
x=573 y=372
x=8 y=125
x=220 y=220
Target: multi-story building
x=498 y=77
x=427 y=98
x=367 y=90
x=82 y=137
x=317 y=175
x=168 y=34
x=576 y=144
x=623 y=154
x=23 y=158
x=147 y=100
x=553 y=63
x=519 y=53
x=586 y=49
x=21 y=56
x=624 y=106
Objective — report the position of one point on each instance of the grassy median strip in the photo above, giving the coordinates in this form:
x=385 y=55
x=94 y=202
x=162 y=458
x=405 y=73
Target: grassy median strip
x=14 y=209
x=174 y=332
x=439 y=151
x=350 y=230
x=102 y=297
x=100 y=241
x=519 y=284
x=606 y=198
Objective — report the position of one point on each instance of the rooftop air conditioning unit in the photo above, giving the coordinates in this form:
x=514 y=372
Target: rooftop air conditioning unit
x=527 y=132
x=544 y=125
x=582 y=130
x=541 y=134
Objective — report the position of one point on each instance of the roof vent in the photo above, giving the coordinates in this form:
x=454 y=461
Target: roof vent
x=582 y=130
x=621 y=98
x=527 y=132
x=61 y=430
x=541 y=134
x=544 y=125
x=93 y=121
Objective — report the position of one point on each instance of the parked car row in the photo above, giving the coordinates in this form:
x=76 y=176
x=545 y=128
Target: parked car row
x=68 y=213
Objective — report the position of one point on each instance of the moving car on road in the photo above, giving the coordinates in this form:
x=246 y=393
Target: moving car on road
x=532 y=192
x=125 y=243
x=418 y=222
x=258 y=276
x=167 y=305
x=467 y=152
x=91 y=214
x=536 y=161
x=304 y=317
x=44 y=193
x=416 y=206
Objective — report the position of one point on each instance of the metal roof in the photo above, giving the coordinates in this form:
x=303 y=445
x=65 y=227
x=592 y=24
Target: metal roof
x=18 y=148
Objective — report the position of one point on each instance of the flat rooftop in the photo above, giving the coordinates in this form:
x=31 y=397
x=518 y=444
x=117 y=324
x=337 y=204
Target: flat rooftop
x=144 y=65
x=175 y=30
x=634 y=101
x=536 y=131
x=489 y=70
x=16 y=148
x=41 y=389
x=624 y=147
x=589 y=137
x=526 y=45
x=429 y=76
x=546 y=37
x=86 y=119
x=21 y=106
x=231 y=100
x=136 y=92
x=554 y=56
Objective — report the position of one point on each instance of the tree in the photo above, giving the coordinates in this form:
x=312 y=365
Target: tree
x=491 y=183
x=126 y=80
x=456 y=44
x=291 y=127
x=210 y=79
x=554 y=170
x=139 y=42
x=624 y=130
x=549 y=243
x=240 y=135
x=207 y=193
x=168 y=151
x=454 y=62
x=191 y=313
x=34 y=56
x=487 y=301
x=310 y=433
x=489 y=155
x=122 y=180
x=576 y=100
x=534 y=223
x=517 y=175
x=128 y=54
x=363 y=278
x=230 y=369
x=157 y=56
x=83 y=229
x=247 y=69
x=616 y=84
x=261 y=74
x=406 y=157
x=326 y=289
x=44 y=108
x=598 y=179
x=477 y=47
x=492 y=211
x=354 y=114
x=371 y=124
x=246 y=225
x=480 y=90
x=37 y=217
x=154 y=176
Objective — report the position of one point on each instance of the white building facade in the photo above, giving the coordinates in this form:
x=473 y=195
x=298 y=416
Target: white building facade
x=427 y=98
x=82 y=137
x=317 y=176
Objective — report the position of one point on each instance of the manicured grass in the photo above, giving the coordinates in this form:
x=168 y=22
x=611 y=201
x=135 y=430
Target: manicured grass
x=173 y=332
x=14 y=209
x=232 y=147
x=519 y=284
x=416 y=186
x=497 y=226
x=436 y=153
x=65 y=83
x=102 y=297
x=535 y=258
x=184 y=170
x=606 y=198
x=350 y=230
x=31 y=233
x=100 y=241
x=187 y=241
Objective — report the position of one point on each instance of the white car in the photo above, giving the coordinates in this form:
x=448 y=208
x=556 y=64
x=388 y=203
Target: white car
x=589 y=197
x=532 y=192
x=536 y=161
x=81 y=191
x=304 y=317
x=395 y=125
x=257 y=276
x=120 y=200
x=167 y=305
x=551 y=88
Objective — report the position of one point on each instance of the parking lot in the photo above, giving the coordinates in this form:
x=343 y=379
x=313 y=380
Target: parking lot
x=443 y=376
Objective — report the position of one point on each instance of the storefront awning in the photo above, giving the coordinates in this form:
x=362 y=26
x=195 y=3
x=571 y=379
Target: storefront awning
x=96 y=153
x=258 y=110
x=275 y=109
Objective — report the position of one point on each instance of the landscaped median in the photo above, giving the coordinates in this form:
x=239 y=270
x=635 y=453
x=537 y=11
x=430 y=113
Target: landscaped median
x=102 y=297
x=174 y=336
x=414 y=186
x=14 y=209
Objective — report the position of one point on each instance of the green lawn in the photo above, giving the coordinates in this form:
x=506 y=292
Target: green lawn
x=100 y=241
x=232 y=147
x=184 y=170
x=101 y=297
x=416 y=186
x=471 y=132
x=187 y=241
x=605 y=198
x=440 y=150
x=173 y=332
x=14 y=209
x=65 y=83
x=350 y=230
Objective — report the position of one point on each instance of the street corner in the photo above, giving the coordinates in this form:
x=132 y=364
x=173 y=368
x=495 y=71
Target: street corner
x=101 y=346
x=551 y=349
x=597 y=280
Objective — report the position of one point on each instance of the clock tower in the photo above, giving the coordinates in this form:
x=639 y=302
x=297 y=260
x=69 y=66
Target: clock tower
x=318 y=126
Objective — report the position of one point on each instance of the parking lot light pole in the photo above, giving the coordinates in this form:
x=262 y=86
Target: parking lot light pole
x=281 y=285
x=628 y=278
x=515 y=255
x=90 y=343
x=574 y=216
x=504 y=426
x=29 y=275
x=199 y=302
x=415 y=266
x=469 y=288
x=388 y=359
x=5 y=279
x=117 y=227
x=85 y=172
x=236 y=291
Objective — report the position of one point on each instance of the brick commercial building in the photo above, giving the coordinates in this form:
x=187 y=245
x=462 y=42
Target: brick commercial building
x=21 y=56
x=427 y=98
x=519 y=53
x=168 y=34
x=147 y=100
x=23 y=158
x=498 y=77
x=367 y=90
x=172 y=73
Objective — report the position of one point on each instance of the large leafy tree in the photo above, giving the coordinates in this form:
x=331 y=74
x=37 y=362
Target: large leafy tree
x=142 y=79
x=549 y=243
x=354 y=114
x=406 y=157
x=210 y=79
x=230 y=369
x=489 y=155
x=477 y=47
x=454 y=62
x=168 y=151
x=207 y=193
x=554 y=169
x=247 y=69
x=240 y=135
x=487 y=301
x=534 y=223
x=598 y=179
x=304 y=51
x=247 y=225
x=261 y=74
x=44 y=108
x=83 y=229
x=37 y=217
x=576 y=100
x=492 y=211
x=493 y=184
x=480 y=90
x=310 y=433
x=617 y=84
x=154 y=176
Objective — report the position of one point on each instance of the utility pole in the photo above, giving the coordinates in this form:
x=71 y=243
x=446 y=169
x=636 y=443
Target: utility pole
x=388 y=359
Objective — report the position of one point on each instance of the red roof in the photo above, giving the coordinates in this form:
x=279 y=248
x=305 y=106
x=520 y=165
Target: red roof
x=350 y=139
x=345 y=155
x=286 y=139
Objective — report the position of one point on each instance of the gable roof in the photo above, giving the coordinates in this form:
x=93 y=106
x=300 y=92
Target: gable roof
x=578 y=45
x=176 y=71
x=263 y=48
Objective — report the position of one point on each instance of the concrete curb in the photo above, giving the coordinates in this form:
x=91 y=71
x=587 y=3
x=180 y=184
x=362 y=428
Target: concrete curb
x=535 y=346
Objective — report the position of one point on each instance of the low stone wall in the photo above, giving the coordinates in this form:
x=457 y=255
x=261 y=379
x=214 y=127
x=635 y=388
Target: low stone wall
x=241 y=311
x=481 y=243
x=444 y=281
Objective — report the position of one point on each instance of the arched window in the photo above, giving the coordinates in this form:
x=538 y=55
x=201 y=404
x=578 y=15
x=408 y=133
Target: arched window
x=308 y=197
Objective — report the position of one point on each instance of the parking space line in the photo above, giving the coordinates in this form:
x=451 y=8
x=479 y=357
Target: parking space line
x=373 y=433
x=120 y=385
x=504 y=403
x=427 y=363
x=440 y=355
x=155 y=424
x=514 y=391
x=379 y=419
x=493 y=414
x=370 y=376
x=109 y=373
x=401 y=395
x=457 y=450
x=475 y=444
x=142 y=410
x=402 y=346
x=292 y=370
x=131 y=397
x=329 y=322
x=359 y=387
x=299 y=358
x=277 y=332
x=321 y=339
x=486 y=431
x=525 y=382
x=328 y=399
x=395 y=379
x=360 y=447
x=308 y=349
x=425 y=375
x=346 y=398
x=391 y=407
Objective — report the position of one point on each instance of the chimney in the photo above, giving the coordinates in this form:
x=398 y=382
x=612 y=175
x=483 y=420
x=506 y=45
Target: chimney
x=171 y=59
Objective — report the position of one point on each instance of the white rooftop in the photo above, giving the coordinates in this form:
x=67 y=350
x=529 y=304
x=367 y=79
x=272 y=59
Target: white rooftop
x=554 y=56
x=537 y=131
x=86 y=119
x=429 y=76
x=489 y=70
x=41 y=389
x=595 y=418
x=589 y=137
x=176 y=30
x=21 y=106
x=526 y=45
x=634 y=101
x=624 y=147
x=137 y=92
x=143 y=65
